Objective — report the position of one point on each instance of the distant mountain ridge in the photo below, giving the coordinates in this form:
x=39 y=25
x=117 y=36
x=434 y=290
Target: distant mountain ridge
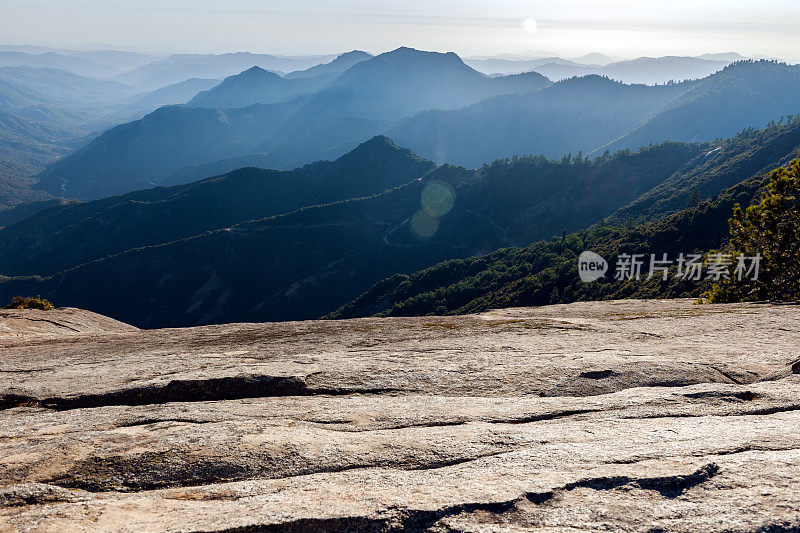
x=363 y=101
x=253 y=86
x=434 y=103
x=259 y=86
x=159 y=144
x=561 y=118
x=81 y=66
x=648 y=70
x=337 y=66
x=177 y=93
x=573 y=115
x=179 y=67
x=746 y=94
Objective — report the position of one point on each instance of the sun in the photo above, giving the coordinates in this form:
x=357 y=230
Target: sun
x=530 y=25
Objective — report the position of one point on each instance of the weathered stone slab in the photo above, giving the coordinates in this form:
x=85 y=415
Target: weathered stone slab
x=614 y=415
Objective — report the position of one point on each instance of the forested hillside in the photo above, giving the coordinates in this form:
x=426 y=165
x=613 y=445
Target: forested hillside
x=307 y=263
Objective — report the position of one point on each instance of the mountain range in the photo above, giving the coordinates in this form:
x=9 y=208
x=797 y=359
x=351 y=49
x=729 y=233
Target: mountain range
x=365 y=99
x=649 y=70
x=432 y=103
x=347 y=100
x=179 y=67
x=80 y=65
x=315 y=259
x=594 y=114
x=402 y=183
x=259 y=86
x=175 y=94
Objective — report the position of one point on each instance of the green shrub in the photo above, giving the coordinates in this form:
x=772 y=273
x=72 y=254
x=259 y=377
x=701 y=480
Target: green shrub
x=19 y=302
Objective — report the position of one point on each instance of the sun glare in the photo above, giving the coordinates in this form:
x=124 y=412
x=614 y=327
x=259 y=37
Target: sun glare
x=530 y=25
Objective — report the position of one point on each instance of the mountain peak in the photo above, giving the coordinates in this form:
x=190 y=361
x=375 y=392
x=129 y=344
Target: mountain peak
x=255 y=71
x=380 y=144
x=356 y=55
x=405 y=51
x=405 y=58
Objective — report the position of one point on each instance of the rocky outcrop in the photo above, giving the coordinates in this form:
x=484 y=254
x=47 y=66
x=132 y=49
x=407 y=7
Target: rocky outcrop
x=642 y=416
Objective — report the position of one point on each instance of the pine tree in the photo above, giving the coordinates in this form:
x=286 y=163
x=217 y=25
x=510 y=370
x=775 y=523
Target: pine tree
x=770 y=229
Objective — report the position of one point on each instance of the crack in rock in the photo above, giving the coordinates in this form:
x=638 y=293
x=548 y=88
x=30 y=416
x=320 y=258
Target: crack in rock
x=188 y=390
x=410 y=520
x=667 y=486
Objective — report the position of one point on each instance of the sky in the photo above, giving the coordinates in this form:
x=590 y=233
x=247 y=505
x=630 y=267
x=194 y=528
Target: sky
x=568 y=28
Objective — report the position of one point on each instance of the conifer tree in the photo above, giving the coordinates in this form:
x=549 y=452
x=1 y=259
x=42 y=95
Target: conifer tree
x=770 y=229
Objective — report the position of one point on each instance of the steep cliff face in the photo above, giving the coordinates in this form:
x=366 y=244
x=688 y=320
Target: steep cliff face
x=626 y=415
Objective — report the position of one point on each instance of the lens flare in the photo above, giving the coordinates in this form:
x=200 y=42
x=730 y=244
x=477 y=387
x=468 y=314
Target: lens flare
x=438 y=198
x=424 y=226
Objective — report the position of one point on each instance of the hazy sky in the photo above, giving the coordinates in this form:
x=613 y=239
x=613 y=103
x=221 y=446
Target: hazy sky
x=469 y=27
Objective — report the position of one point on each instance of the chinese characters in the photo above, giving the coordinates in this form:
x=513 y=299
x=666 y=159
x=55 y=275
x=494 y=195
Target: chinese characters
x=715 y=267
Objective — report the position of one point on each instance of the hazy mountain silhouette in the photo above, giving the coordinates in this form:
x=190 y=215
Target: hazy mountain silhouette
x=180 y=67
x=259 y=86
x=21 y=87
x=649 y=70
x=594 y=58
x=86 y=62
x=570 y=116
x=724 y=56
x=335 y=67
x=363 y=101
x=254 y=86
x=404 y=81
x=178 y=93
x=370 y=96
x=381 y=94
x=496 y=65
x=81 y=65
x=577 y=114
x=745 y=94
x=135 y=155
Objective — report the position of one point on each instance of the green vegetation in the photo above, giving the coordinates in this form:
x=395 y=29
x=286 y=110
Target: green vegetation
x=770 y=229
x=20 y=302
x=750 y=152
x=545 y=272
